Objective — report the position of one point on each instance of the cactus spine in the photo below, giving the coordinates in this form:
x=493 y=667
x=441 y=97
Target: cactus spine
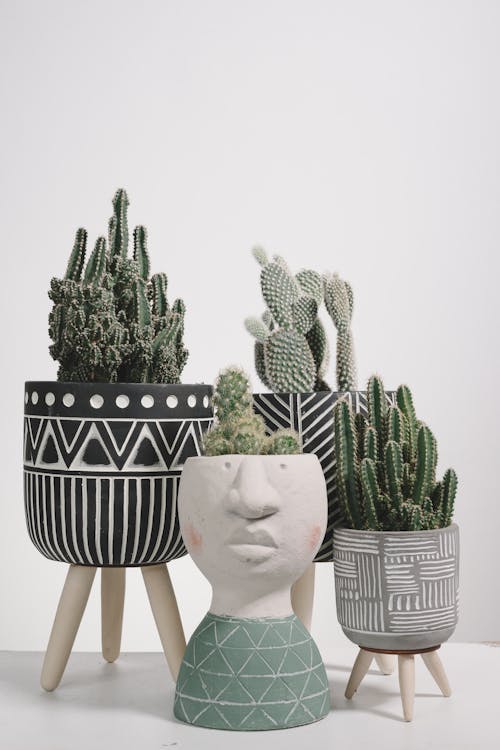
x=238 y=429
x=291 y=345
x=110 y=322
x=386 y=466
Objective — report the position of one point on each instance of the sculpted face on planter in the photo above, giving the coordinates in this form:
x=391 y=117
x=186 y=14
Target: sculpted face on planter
x=252 y=524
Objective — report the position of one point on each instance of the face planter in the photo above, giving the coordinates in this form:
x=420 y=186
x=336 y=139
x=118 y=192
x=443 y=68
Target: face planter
x=252 y=524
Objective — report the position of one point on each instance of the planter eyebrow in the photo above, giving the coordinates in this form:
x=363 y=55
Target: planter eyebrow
x=311 y=415
x=102 y=464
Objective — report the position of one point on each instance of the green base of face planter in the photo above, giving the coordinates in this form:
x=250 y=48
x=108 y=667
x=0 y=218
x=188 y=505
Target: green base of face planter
x=251 y=674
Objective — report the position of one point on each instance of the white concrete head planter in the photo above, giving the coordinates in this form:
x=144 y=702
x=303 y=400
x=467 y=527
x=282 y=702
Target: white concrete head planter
x=252 y=524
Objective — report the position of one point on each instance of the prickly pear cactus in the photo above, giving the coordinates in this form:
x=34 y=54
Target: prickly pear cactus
x=110 y=321
x=291 y=345
x=386 y=466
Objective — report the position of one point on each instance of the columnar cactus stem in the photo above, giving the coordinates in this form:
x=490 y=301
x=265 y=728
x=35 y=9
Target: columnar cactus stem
x=77 y=257
x=381 y=484
x=339 y=303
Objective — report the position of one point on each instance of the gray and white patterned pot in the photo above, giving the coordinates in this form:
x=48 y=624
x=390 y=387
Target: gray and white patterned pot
x=102 y=464
x=311 y=415
x=397 y=590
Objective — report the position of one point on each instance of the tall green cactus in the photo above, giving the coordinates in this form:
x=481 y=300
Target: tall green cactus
x=238 y=429
x=110 y=321
x=291 y=347
x=339 y=302
x=386 y=466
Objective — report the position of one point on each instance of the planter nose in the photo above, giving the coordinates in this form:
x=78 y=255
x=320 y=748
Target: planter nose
x=251 y=495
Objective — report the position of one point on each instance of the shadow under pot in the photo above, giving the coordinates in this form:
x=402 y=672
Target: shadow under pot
x=102 y=464
x=311 y=415
x=397 y=590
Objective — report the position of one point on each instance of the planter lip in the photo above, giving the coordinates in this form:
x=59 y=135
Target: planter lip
x=402 y=531
x=309 y=456
x=338 y=394
x=61 y=399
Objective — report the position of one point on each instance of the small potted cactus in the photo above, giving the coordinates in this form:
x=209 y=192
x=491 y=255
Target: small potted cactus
x=253 y=511
x=292 y=357
x=396 y=559
x=105 y=444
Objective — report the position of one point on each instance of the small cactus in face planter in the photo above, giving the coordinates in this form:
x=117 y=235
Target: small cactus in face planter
x=238 y=429
x=111 y=321
x=291 y=345
x=386 y=466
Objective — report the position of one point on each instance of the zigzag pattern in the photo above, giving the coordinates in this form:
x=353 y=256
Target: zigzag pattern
x=111 y=445
x=103 y=521
x=395 y=582
x=311 y=415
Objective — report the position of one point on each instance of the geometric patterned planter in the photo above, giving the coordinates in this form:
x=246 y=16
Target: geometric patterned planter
x=311 y=415
x=102 y=464
x=397 y=590
x=251 y=675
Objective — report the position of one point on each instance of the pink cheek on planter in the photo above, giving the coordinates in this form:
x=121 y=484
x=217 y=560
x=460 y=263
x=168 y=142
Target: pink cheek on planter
x=193 y=537
x=314 y=536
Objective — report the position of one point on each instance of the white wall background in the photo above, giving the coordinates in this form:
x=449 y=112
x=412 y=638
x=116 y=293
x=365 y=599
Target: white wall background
x=361 y=137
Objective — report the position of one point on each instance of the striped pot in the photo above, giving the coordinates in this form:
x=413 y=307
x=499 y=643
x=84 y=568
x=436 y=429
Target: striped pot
x=397 y=590
x=102 y=464
x=311 y=415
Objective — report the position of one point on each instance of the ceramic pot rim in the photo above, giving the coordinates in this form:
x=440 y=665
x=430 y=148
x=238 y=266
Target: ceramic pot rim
x=338 y=394
x=402 y=531
x=287 y=456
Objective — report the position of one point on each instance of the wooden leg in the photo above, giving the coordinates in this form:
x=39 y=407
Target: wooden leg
x=435 y=667
x=406 y=664
x=69 y=613
x=303 y=596
x=385 y=662
x=166 y=613
x=360 y=668
x=112 y=599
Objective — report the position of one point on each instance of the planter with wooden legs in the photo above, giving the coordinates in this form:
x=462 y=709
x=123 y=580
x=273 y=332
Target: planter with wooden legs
x=102 y=464
x=397 y=595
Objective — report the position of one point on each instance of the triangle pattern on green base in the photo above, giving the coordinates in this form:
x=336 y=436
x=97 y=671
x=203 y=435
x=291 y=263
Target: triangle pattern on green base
x=251 y=674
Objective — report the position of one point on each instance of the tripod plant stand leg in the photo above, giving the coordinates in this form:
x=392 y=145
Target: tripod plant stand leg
x=303 y=596
x=69 y=613
x=406 y=667
x=360 y=668
x=112 y=599
x=385 y=662
x=166 y=614
x=435 y=667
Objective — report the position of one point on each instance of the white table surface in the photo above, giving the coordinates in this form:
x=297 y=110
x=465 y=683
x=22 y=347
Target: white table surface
x=128 y=705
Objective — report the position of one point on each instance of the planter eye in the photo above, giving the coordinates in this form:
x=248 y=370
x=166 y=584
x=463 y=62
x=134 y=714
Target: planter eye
x=227 y=465
x=283 y=466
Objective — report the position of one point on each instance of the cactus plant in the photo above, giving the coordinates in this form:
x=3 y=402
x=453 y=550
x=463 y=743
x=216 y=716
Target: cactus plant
x=386 y=466
x=110 y=321
x=291 y=345
x=238 y=429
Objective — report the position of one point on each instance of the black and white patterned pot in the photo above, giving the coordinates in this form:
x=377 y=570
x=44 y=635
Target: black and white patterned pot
x=102 y=464
x=311 y=415
x=397 y=590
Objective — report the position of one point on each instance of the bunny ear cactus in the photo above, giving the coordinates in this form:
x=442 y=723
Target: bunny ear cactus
x=386 y=466
x=238 y=429
x=339 y=303
x=290 y=350
x=291 y=345
x=110 y=321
